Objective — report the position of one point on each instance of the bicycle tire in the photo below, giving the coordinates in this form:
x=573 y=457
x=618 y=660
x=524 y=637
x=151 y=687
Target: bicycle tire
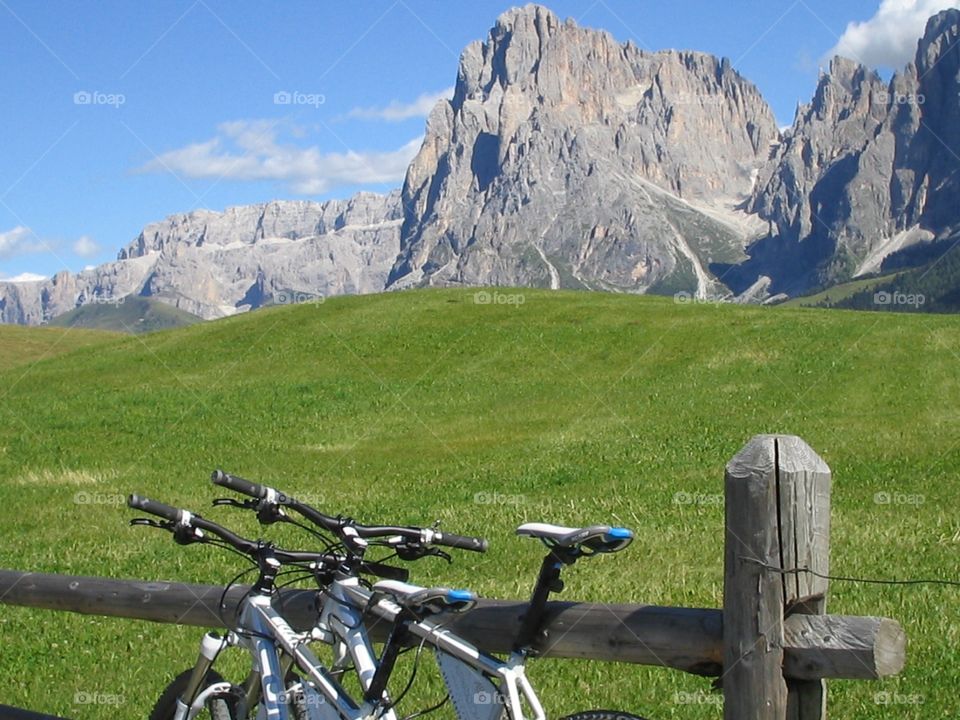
x=166 y=706
x=602 y=715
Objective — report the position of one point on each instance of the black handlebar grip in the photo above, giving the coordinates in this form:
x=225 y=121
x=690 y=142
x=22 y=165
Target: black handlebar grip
x=462 y=541
x=237 y=484
x=154 y=508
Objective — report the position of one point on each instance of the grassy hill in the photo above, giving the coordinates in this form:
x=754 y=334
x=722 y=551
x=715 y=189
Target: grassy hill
x=527 y=405
x=932 y=287
x=21 y=345
x=130 y=315
x=838 y=293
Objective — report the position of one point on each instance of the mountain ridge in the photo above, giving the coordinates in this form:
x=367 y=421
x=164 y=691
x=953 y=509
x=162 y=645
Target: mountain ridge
x=567 y=159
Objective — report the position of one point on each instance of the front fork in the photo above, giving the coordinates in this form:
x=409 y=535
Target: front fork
x=195 y=695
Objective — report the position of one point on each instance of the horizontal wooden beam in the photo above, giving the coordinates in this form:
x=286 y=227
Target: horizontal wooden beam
x=12 y=713
x=687 y=639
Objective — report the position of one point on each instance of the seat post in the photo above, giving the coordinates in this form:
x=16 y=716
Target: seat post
x=548 y=580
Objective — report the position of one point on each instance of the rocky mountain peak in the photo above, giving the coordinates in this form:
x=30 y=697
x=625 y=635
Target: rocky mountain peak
x=867 y=169
x=939 y=41
x=546 y=114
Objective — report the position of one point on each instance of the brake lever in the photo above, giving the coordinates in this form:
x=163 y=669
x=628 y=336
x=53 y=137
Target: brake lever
x=233 y=502
x=168 y=525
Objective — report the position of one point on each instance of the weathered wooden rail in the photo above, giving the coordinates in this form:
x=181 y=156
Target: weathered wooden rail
x=687 y=639
x=772 y=644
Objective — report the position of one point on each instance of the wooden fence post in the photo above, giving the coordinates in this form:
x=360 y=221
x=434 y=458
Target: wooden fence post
x=803 y=483
x=777 y=517
x=753 y=684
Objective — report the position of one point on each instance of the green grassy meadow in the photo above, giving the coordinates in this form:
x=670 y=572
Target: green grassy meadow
x=569 y=407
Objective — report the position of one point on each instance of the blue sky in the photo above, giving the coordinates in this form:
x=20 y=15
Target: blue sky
x=120 y=113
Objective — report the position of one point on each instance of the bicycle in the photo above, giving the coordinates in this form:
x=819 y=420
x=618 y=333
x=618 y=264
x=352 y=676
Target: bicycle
x=274 y=690
x=459 y=661
x=273 y=645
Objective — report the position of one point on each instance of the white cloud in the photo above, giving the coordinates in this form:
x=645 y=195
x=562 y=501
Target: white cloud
x=397 y=111
x=24 y=241
x=17 y=241
x=249 y=150
x=889 y=38
x=85 y=246
x=25 y=277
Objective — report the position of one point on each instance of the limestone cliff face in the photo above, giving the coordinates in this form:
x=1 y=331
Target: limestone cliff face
x=867 y=167
x=567 y=159
x=216 y=264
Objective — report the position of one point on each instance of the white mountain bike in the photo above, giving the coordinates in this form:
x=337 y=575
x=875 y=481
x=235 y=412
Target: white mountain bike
x=288 y=681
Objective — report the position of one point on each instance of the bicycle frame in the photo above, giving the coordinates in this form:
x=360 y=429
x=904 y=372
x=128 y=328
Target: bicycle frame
x=465 y=668
x=275 y=647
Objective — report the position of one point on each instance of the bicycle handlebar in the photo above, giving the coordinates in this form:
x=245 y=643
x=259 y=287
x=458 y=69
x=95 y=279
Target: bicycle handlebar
x=185 y=518
x=237 y=484
x=463 y=542
x=154 y=508
x=336 y=525
x=254 y=548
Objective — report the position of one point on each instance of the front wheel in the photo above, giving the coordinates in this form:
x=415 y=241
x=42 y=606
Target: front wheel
x=217 y=708
x=602 y=715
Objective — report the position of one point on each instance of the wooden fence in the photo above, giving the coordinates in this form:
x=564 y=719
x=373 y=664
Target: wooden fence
x=772 y=644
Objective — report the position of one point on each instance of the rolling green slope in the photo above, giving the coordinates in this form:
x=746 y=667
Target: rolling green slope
x=130 y=315
x=484 y=410
x=933 y=287
x=22 y=345
x=838 y=293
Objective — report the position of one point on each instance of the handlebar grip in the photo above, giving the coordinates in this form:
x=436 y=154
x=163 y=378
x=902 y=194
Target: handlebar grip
x=462 y=542
x=237 y=484
x=153 y=507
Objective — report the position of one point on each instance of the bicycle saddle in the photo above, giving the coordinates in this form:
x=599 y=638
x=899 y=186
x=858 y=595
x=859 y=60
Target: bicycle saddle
x=420 y=599
x=594 y=539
